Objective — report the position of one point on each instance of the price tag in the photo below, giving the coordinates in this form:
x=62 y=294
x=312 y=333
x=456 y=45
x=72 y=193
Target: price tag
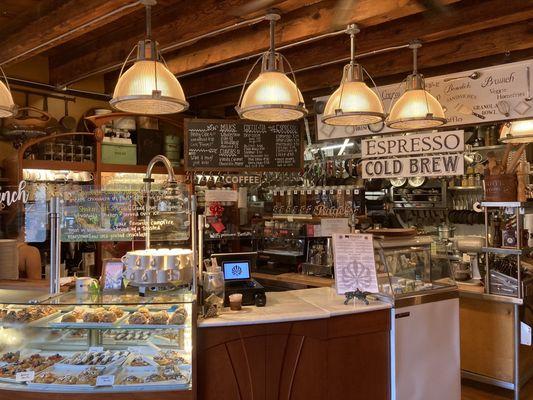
x=105 y=380
x=26 y=376
x=96 y=349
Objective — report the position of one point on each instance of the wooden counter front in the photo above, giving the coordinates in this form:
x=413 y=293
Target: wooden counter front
x=341 y=357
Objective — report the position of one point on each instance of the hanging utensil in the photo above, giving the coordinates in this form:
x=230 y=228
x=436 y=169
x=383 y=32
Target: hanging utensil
x=528 y=98
x=462 y=109
x=503 y=107
x=474 y=75
x=68 y=122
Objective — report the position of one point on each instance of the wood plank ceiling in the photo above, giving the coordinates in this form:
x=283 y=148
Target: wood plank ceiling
x=93 y=38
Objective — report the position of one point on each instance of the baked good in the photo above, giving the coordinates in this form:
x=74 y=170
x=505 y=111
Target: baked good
x=67 y=380
x=131 y=380
x=108 y=316
x=144 y=310
x=154 y=378
x=119 y=312
x=45 y=377
x=139 y=362
x=159 y=318
x=90 y=316
x=69 y=317
x=10 y=357
x=78 y=312
x=138 y=318
x=177 y=318
x=181 y=310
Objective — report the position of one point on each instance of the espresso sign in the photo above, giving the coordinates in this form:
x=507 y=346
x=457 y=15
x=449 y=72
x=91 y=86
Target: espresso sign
x=436 y=154
x=237 y=145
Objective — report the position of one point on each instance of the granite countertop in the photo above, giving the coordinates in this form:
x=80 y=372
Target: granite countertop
x=295 y=305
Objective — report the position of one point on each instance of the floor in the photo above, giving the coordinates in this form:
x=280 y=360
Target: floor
x=478 y=391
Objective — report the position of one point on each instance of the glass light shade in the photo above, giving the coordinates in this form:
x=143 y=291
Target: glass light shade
x=272 y=96
x=416 y=109
x=517 y=132
x=353 y=103
x=7 y=106
x=148 y=87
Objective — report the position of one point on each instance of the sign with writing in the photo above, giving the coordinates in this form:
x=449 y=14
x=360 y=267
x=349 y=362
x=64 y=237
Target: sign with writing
x=105 y=380
x=330 y=226
x=234 y=145
x=354 y=263
x=93 y=215
x=494 y=94
x=11 y=196
x=25 y=376
x=436 y=154
x=238 y=179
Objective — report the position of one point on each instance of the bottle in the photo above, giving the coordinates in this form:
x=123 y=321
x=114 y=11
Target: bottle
x=303 y=201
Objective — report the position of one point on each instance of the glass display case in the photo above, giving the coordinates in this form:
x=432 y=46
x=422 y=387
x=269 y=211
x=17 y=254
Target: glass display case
x=406 y=267
x=94 y=342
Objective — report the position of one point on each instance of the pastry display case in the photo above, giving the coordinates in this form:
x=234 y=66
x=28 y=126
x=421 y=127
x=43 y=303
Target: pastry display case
x=111 y=342
x=407 y=268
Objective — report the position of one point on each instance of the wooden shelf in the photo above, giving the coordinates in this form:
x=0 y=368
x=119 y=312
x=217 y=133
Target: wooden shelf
x=59 y=165
x=137 y=169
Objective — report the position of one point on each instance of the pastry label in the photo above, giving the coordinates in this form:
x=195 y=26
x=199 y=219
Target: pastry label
x=26 y=376
x=96 y=349
x=105 y=380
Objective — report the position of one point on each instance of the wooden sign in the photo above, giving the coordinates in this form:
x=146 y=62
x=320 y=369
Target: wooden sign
x=423 y=154
x=483 y=95
x=237 y=145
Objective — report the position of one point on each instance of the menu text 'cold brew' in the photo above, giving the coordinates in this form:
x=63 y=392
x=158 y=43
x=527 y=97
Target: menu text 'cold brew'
x=235 y=145
x=421 y=154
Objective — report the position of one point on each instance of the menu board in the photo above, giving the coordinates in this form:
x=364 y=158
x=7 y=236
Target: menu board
x=235 y=145
x=94 y=215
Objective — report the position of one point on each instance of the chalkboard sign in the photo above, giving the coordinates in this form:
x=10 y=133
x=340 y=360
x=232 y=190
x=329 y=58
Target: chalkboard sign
x=235 y=145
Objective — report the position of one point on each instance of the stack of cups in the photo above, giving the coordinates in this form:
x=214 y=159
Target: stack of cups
x=158 y=266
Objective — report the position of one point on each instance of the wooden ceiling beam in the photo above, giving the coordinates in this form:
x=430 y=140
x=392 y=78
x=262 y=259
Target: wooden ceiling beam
x=175 y=24
x=463 y=18
x=304 y=23
x=64 y=23
x=461 y=49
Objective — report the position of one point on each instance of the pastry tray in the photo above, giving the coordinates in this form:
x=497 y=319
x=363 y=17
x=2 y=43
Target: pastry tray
x=57 y=323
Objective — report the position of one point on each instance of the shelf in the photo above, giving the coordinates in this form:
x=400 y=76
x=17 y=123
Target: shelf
x=508 y=204
x=88 y=166
x=486 y=148
x=501 y=250
x=137 y=169
x=459 y=188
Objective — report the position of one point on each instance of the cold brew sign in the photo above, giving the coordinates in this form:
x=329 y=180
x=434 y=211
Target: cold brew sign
x=421 y=154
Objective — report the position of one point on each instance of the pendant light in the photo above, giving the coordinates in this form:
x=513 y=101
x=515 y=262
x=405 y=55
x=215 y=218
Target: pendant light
x=517 y=131
x=7 y=105
x=272 y=96
x=148 y=87
x=416 y=108
x=353 y=103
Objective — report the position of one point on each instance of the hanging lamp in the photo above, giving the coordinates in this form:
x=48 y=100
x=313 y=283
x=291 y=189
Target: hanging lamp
x=520 y=131
x=148 y=87
x=353 y=103
x=7 y=105
x=416 y=108
x=272 y=96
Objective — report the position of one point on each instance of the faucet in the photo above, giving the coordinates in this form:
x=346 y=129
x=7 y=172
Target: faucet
x=171 y=181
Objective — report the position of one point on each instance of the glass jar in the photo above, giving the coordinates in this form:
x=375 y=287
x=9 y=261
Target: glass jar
x=213 y=287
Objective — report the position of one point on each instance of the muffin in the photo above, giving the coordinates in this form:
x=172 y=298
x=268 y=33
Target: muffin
x=131 y=380
x=159 y=318
x=144 y=310
x=90 y=317
x=138 y=318
x=108 y=316
x=78 y=312
x=69 y=317
x=117 y=311
x=177 y=319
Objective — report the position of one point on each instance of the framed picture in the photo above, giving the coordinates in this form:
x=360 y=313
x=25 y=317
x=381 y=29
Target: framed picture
x=112 y=270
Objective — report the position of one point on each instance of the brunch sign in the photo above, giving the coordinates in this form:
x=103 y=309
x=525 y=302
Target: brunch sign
x=11 y=196
x=422 y=154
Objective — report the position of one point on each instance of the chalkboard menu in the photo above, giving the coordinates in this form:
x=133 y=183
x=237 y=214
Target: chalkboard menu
x=234 y=145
